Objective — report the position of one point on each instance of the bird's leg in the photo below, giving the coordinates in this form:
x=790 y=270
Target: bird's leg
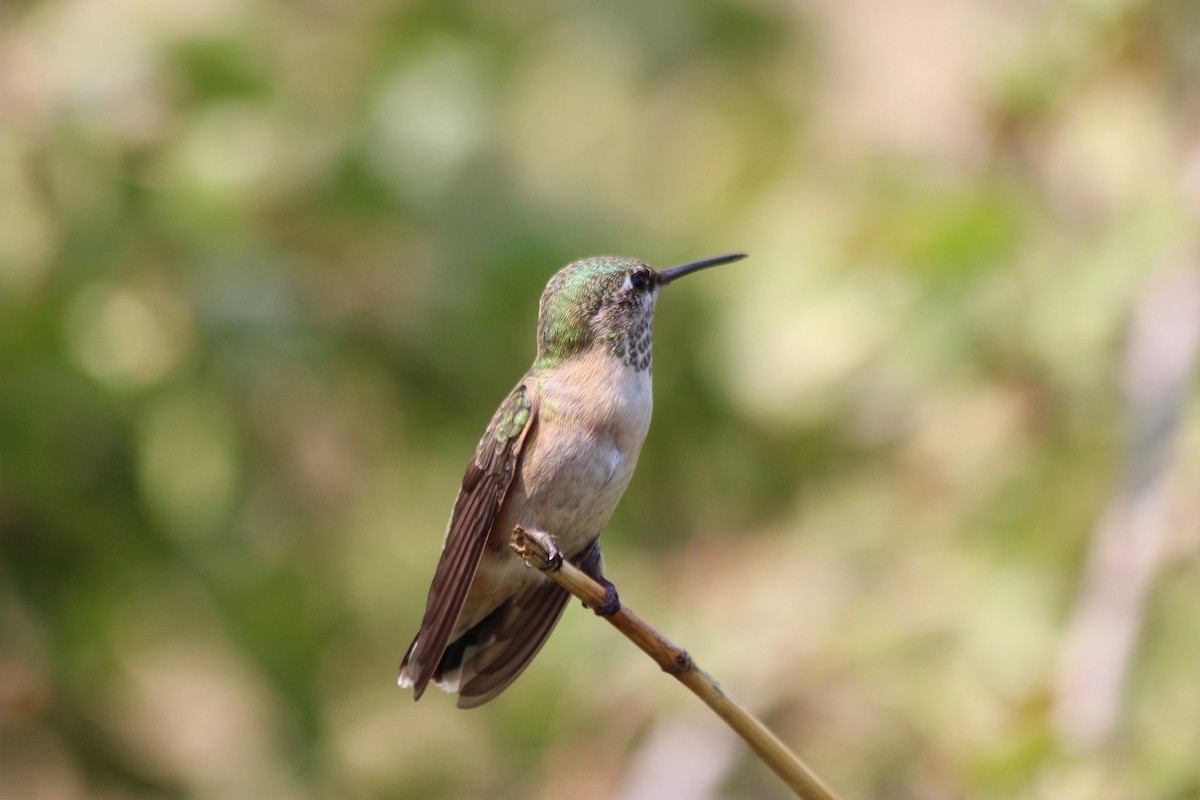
x=591 y=563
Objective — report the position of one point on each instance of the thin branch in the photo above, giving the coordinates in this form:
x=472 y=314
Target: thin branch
x=675 y=661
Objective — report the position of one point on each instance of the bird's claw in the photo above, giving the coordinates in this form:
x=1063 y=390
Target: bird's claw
x=611 y=604
x=553 y=557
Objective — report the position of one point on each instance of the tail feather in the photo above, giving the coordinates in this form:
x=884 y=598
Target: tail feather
x=407 y=680
x=514 y=637
x=484 y=660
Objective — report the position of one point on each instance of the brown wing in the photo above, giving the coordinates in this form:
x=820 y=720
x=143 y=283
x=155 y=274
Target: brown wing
x=484 y=486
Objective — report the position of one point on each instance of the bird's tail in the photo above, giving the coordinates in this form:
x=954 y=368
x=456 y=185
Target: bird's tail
x=484 y=660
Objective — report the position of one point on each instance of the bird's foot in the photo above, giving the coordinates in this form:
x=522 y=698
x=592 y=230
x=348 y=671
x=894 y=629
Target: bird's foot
x=591 y=562
x=611 y=604
x=550 y=554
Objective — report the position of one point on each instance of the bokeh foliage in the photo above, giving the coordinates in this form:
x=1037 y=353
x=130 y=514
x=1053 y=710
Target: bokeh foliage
x=267 y=268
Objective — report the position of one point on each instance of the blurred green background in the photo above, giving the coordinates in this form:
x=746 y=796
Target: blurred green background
x=921 y=489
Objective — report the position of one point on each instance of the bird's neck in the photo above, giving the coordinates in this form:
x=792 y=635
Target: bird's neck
x=598 y=388
x=631 y=347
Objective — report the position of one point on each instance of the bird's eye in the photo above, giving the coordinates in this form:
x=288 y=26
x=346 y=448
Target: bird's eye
x=639 y=281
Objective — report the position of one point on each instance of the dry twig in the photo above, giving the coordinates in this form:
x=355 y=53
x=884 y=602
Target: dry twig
x=675 y=661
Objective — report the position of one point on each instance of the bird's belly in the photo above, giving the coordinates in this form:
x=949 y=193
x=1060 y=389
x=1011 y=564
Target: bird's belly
x=576 y=494
x=583 y=450
x=568 y=489
x=576 y=464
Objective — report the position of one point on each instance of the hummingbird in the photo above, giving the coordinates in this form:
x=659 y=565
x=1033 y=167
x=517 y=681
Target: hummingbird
x=555 y=459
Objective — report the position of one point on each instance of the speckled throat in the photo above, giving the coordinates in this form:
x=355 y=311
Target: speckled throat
x=632 y=345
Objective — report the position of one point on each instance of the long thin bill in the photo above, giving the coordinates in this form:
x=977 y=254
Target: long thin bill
x=668 y=275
